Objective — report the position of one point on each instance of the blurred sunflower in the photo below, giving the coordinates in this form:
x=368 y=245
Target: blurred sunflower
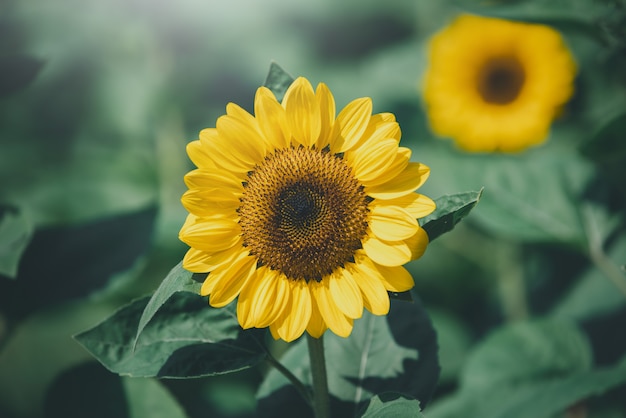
x=496 y=85
x=305 y=217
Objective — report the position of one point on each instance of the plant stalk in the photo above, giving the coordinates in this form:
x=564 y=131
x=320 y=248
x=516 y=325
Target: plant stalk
x=321 y=402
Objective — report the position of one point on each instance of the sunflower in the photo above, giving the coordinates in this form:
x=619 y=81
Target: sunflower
x=494 y=84
x=304 y=217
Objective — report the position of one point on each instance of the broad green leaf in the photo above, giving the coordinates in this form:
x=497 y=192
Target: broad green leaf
x=531 y=196
x=393 y=353
x=15 y=234
x=185 y=338
x=148 y=398
x=593 y=294
x=543 y=398
x=278 y=80
x=528 y=351
x=389 y=405
x=89 y=390
x=450 y=210
x=67 y=262
x=178 y=280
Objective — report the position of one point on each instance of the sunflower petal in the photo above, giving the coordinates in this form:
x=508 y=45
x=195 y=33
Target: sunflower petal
x=417 y=243
x=392 y=223
x=395 y=279
x=417 y=205
x=326 y=103
x=199 y=155
x=387 y=253
x=369 y=279
x=346 y=293
x=316 y=326
x=231 y=279
x=351 y=123
x=271 y=118
x=210 y=234
x=295 y=323
x=339 y=323
x=406 y=182
x=303 y=112
x=242 y=139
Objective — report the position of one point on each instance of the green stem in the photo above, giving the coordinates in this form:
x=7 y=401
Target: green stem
x=321 y=402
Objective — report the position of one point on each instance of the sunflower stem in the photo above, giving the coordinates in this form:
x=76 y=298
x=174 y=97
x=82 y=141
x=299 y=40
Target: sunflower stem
x=321 y=403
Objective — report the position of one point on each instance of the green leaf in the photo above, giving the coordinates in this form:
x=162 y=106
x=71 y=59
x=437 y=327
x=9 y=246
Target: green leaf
x=540 y=399
x=15 y=234
x=185 y=338
x=532 y=369
x=178 y=280
x=148 y=398
x=393 y=405
x=532 y=196
x=450 y=210
x=278 y=80
x=393 y=353
x=528 y=351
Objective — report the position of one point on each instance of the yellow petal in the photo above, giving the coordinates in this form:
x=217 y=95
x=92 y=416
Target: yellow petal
x=268 y=297
x=298 y=318
x=271 y=118
x=417 y=244
x=200 y=156
x=399 y=164
x=392 y=223
x=231 y=279
x=417 y=205
x=326 y=103
x=214 y=179
x=395 y=279
x=303 y=112
x=346 y=293
x=317 y=326
x=244 y=141
x=211 y=202
x=350 y=125
x=372 y=162
x=413 y=176
x=387 y=253
x=339 y=323
x=223 y=153
x=196 y=261
x=369 y=279
x=211 y=234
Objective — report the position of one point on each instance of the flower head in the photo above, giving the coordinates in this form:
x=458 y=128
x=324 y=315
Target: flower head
x=306 y=217
x=494 y=84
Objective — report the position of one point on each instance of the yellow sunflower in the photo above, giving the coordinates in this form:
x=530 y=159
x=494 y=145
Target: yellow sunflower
x=496 y=85
x=306 y=217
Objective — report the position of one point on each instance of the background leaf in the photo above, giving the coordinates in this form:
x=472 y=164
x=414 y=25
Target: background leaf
x=395 y=353
x=15 y=233
x=393 y=405
x=185 y=338
x=278 y=80
x=450 y=210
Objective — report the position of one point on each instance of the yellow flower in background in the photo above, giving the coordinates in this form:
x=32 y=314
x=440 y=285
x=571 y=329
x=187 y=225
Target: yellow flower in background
x=306 y=217
x=496 y=85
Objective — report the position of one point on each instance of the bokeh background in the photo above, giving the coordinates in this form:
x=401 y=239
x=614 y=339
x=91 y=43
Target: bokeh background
x=98 y=100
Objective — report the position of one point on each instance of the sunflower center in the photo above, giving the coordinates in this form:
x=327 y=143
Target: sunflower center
x=303 y=213
x=500 y=80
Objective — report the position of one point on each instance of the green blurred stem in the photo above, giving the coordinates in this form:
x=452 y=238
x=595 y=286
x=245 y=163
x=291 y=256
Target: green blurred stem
x=597 y=254
x=321 y=402
x=302 y=390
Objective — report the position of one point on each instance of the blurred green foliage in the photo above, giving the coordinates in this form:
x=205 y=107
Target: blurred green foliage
x=97 y=103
